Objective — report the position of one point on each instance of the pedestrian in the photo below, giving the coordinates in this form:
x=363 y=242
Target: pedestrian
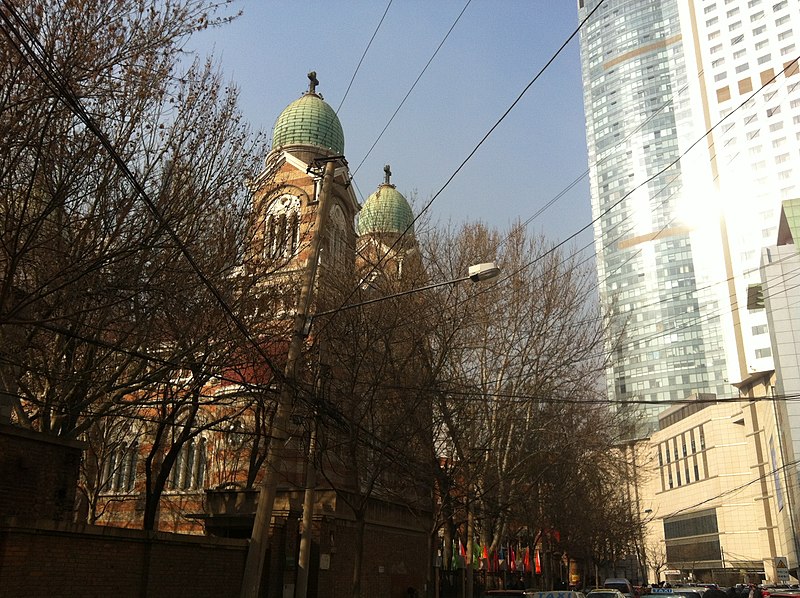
x=714 y=593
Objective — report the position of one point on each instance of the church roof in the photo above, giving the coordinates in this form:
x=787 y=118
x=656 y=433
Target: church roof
x=386 y=211
x=309 y=120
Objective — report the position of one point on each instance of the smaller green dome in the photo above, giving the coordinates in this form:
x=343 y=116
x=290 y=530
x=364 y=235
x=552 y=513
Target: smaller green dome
x=386 y=211
x=309 y=120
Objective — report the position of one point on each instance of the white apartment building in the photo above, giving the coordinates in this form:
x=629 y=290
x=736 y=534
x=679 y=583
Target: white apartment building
x=693 y=129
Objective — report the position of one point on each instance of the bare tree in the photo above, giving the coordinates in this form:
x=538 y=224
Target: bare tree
x=90 y=272
x=519 y=367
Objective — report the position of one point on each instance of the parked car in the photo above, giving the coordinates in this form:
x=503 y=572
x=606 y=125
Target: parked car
x=530 y=593
x=605 y=593
x=783 y=592
x=683 y=592
x=621 y=584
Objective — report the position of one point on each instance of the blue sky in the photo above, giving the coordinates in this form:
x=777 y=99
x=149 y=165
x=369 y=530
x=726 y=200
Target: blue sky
x=494 y=51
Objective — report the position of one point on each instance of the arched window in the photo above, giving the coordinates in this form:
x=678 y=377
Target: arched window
x=119 y=471
x=282 y=228
x=189 y=471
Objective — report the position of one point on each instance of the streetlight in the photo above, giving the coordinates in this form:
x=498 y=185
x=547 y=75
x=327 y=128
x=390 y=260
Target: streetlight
x=475 y=273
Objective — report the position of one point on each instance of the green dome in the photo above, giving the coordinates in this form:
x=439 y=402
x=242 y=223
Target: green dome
x=309 y=120
x=385 y=211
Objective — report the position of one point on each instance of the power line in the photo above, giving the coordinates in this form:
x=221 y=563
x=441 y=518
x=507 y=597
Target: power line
x=27 y=44
x=478 y=145
x=413 y=85
x=358 y=66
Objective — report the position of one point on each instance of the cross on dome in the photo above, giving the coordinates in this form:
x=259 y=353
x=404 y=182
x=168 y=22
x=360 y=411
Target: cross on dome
x=312 y=82
x=387 y=175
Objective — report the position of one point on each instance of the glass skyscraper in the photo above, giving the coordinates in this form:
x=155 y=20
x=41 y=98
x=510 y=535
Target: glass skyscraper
x=689 y=159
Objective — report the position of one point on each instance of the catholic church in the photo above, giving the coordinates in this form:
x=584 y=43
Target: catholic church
x=370 y=250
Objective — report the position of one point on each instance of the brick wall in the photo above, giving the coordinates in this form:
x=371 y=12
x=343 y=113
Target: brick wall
x=38 y=474
x=57 y=560
x=394 y=560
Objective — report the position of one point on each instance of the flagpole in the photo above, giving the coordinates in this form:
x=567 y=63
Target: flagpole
x=470 y=565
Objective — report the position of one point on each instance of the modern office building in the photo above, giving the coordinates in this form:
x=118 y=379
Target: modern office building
x=692 y=119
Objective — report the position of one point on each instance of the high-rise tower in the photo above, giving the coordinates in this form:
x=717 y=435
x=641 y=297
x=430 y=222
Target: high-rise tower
x=689 y=160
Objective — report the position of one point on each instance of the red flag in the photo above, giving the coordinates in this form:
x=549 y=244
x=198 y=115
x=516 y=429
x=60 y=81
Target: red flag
x=462 y=551
x=526 y=560
x=538 y=563
x=513 y=564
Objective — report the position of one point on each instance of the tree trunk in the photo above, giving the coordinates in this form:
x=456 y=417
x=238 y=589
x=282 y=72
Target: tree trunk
x=359 y=552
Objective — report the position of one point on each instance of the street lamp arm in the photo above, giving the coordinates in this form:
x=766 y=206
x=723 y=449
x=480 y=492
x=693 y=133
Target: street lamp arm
x=477 y=273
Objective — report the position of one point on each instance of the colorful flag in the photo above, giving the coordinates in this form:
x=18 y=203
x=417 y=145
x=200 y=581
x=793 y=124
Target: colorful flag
x=526 y=560
x=461 y=550
x=476 y=555
x=538 y=563
x=513 y=564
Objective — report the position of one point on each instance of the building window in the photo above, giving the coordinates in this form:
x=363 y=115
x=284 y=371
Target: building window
x=337 y=241
x=189 y=471
x=119 y=470
x=282 y=228
x=762 y=353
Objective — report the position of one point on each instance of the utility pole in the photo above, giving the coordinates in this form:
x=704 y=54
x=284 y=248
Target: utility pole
x=259 y=540
x=304 y=559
